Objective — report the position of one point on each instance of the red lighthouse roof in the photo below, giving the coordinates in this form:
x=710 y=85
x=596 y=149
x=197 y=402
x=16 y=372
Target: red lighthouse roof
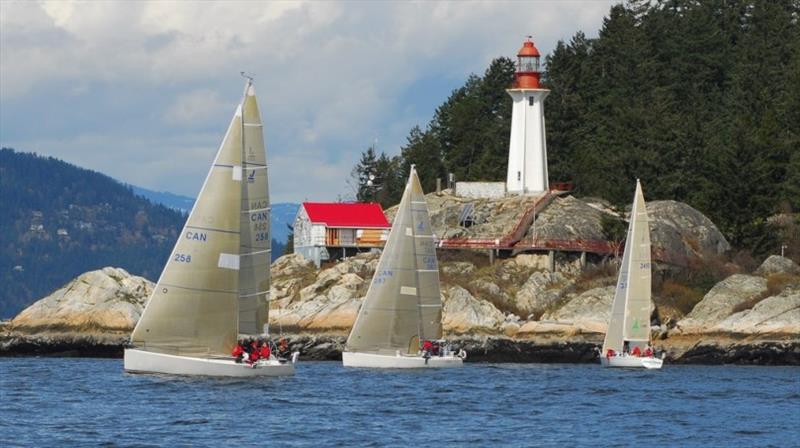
x=362 y=215
x=528 y=74
x=528 y=49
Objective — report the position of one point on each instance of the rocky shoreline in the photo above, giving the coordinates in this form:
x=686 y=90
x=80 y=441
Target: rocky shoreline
x=481 y=349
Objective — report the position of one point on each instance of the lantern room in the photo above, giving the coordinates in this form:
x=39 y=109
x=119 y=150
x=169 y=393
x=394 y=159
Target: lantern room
x=527 y=75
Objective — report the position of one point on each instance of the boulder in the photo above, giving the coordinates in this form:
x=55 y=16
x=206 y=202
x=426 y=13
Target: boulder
x=106 y=300
x=329 y=304
x=587 y=312
x=776 y=314
x=775 y=264
x=569 y=218
x=463 y=313
x=291 y=265
x=683 y=232
x=538 y=293
x=720 y=302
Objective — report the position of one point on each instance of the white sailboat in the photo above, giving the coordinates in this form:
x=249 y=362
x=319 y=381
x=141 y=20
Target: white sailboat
x=215 y=286
x=403 y=309
x=627 y=339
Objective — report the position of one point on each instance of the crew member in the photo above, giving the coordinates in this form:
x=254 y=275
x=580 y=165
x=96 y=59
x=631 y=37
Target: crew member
x=238 y=352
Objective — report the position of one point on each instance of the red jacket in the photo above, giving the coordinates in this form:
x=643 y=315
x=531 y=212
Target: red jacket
x=265 y=352
x=427 y=345
x=238 y=350
x=637 y=351
x=254 y=355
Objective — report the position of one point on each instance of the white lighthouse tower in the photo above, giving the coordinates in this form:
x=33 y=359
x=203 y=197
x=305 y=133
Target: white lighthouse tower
x=527 y=150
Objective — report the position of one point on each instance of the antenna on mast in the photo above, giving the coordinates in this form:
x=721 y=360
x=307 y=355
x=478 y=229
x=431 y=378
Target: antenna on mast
x=246 y=75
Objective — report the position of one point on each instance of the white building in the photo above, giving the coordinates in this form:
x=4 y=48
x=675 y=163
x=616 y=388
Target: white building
x=328 y=231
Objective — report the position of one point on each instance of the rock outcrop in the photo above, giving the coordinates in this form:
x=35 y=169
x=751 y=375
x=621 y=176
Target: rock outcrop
x=775 y=264
x=721 y=302
x=775 y=314
x=682 y=231
x=108 y=300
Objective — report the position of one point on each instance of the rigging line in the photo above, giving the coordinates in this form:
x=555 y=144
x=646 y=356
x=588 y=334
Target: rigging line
x=255 y=253
x=253 y=210
x=242 y=296
x=221 y=291
x=211 y=229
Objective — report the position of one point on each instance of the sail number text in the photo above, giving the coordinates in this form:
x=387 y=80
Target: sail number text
x=182 y=258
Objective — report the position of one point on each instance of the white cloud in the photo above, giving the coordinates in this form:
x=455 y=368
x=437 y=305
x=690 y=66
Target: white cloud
x=330 y=77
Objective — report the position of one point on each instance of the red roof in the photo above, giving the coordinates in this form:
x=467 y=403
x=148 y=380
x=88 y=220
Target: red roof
x=342 y=214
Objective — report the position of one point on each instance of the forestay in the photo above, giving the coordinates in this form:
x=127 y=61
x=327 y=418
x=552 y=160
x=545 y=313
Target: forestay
x=630 y=313
x=403 y=303
x=215 y=283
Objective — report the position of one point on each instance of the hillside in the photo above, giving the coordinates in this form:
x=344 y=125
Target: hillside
x=59 y=220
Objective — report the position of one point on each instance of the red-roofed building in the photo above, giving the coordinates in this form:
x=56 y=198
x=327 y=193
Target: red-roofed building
x=327 y=231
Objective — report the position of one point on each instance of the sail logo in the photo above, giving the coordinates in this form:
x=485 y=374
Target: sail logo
x=251 y=177
x=196 y=236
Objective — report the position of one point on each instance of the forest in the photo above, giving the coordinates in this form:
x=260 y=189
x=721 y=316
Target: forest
x=698 y=99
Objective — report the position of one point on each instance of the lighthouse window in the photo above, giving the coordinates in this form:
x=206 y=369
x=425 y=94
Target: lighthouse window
x=530 y=101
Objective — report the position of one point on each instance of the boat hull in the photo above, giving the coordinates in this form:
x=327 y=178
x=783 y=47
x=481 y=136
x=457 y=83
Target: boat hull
x=141 y=361
x=631 y=362
x=373 y=360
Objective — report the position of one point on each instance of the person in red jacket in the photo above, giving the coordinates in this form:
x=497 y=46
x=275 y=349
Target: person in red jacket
x=637 y=351
x=265 y=352
x=238 y=351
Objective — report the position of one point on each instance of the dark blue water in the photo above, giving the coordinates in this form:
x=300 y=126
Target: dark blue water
x=91 y=402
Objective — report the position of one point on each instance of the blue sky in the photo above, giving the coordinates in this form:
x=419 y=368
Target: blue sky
x=143 y=91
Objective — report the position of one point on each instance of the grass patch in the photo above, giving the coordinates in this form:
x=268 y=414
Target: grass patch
x=680 y=297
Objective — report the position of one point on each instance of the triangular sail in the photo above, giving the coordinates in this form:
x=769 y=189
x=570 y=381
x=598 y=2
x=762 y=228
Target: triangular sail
x=255 y=256
x=630 y=313
x=216 y=281
x=403 y=304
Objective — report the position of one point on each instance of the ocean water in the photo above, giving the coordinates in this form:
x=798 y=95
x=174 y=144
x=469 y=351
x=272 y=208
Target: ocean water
x=92 y=402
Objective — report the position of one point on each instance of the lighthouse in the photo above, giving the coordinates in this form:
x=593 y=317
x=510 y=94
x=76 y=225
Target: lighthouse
x=527 y=149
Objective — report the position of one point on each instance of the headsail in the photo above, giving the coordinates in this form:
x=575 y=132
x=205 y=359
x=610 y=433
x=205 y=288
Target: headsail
x=216 y=281
x=254 y=277
x=630 y=313
x=403 y=303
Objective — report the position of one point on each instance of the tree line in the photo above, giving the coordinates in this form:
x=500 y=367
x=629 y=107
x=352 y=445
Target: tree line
x=700 y=100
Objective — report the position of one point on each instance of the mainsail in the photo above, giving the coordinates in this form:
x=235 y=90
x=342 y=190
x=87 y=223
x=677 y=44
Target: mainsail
x=630 y=313
x=403 y=305
x=216 y=281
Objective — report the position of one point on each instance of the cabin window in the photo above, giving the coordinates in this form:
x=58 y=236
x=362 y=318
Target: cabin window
x=530 y=101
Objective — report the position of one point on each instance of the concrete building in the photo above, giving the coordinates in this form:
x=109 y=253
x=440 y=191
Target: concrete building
x=329 y=231
x=527 y=149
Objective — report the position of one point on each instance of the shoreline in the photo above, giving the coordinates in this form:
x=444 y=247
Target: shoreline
x=694 y=349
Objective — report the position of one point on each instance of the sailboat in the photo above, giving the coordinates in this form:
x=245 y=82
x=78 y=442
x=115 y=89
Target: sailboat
x=402 y=312
x=627 y=341
x=215 y=286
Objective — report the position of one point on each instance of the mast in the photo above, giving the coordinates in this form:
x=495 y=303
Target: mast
x=420 y=331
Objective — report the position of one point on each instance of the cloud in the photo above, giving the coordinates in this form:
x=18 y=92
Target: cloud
x=157 y=81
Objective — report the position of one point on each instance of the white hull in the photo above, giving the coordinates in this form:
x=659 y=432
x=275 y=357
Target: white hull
x=140 y=361
x=631 y=362
x=354 y=359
